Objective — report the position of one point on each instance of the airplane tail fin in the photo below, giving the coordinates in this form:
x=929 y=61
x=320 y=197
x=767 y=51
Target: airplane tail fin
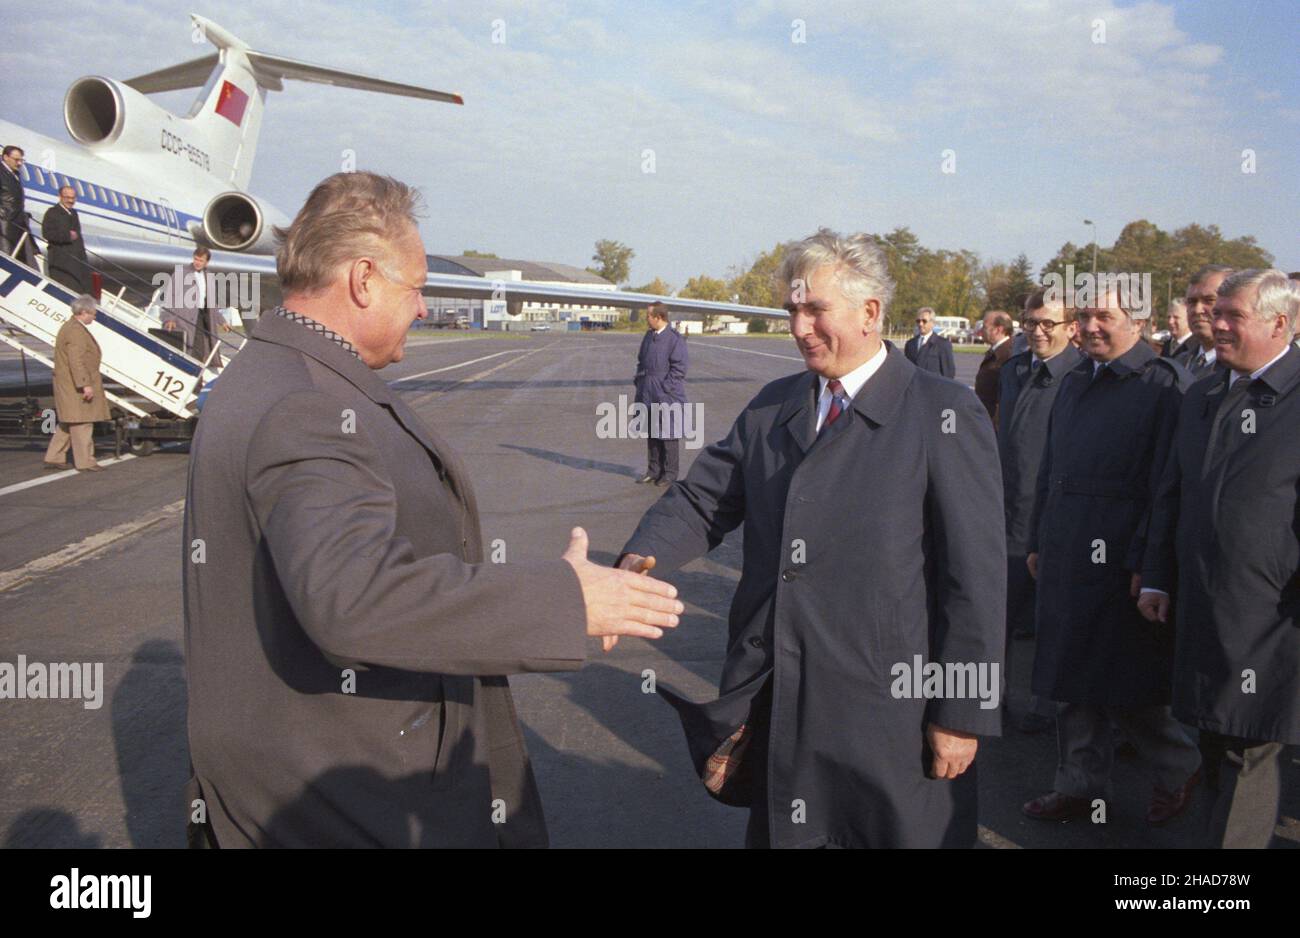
x=234 y=81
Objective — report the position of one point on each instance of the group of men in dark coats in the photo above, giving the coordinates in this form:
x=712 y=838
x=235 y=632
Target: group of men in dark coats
x=1161 y=528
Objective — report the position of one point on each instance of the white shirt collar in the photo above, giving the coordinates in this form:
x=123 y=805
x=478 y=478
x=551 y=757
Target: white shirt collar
x=1210 y=356
x=661 y=328
x=999 y=342
x=1255 y=374
x=851 y=382
x=855 y=379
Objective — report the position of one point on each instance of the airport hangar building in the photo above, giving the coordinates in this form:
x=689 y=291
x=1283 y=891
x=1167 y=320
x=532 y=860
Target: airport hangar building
x=516 y=314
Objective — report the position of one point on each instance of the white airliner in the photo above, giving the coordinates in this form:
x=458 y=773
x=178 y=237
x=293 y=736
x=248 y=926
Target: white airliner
x=151 y=184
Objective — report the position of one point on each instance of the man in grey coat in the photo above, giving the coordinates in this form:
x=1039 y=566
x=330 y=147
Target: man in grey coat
x=346 y=645
x=192 y=309
x=1223 y=543
x=865 y=638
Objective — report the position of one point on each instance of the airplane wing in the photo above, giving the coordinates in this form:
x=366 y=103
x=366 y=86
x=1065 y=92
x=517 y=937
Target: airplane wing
x=147 y=256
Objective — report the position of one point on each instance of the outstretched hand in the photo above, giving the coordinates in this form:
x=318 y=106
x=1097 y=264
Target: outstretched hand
x=622 y=601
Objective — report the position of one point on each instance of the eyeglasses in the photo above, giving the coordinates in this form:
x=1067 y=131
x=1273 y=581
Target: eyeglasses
x=418 y=288
x=1043 y=325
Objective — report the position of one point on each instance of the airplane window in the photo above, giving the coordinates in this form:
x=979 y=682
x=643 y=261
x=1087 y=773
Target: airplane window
x=135 y=203
x=81 y=193
x=27 y=177
x=112 y=197
x=149 y=205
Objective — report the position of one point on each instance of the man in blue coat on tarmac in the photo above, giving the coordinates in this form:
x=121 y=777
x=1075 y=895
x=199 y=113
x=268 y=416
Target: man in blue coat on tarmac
x=661 y=388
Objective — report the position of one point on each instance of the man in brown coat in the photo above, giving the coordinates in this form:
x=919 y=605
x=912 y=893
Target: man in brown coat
x=997 y=332
x=78 y=392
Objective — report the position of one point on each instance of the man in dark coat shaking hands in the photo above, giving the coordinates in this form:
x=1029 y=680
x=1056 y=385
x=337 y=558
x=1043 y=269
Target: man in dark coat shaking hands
x=661 y=389
x=865 y=638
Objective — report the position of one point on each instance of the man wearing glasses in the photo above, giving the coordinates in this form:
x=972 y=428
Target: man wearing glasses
x=13 y=212
x=927 y=349
x=1028 y=384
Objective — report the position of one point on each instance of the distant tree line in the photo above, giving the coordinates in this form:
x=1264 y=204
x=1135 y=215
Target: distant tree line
x=960 y=283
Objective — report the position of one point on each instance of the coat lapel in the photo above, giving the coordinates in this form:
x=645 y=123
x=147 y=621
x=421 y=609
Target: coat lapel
x=798 y=412
x=280 y=331
x=1264 y=394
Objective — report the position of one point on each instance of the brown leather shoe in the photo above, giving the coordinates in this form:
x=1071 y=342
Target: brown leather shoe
x=1167 y=805
x=95 y=468
x=1055 y=806
x=54 y=466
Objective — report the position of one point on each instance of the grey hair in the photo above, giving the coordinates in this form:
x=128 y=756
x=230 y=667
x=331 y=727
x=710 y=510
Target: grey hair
x=861 y=269
x=83 y=304
x=1276 y=295
x=347 y=216
x=926 y=309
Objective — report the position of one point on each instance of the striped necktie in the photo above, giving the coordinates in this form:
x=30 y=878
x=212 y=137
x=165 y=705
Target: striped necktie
x=838 y=402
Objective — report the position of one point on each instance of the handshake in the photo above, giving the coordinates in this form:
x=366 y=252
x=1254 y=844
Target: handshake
x=623 y=601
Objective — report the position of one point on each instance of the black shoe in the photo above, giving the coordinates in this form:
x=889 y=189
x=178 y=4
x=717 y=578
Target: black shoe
x=644 y=479
x=664 y=482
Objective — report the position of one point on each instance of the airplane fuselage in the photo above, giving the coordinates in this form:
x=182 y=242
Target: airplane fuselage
x=115 y=200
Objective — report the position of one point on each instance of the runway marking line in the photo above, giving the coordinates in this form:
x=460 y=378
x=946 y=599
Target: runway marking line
x=55 y=476
x=732 y=348
x=87 y=546
x=437 y=371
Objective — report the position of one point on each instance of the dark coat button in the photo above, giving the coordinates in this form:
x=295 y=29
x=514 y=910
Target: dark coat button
x=788 y=575
x=756 y=641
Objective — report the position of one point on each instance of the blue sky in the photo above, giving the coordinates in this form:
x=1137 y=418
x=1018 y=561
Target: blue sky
x=756 y=138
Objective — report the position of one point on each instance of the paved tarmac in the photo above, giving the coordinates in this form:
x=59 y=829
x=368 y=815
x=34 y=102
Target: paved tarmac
x=90 y=571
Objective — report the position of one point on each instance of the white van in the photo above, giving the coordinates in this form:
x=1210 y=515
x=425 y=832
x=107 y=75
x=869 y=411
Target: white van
x=954 y=328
